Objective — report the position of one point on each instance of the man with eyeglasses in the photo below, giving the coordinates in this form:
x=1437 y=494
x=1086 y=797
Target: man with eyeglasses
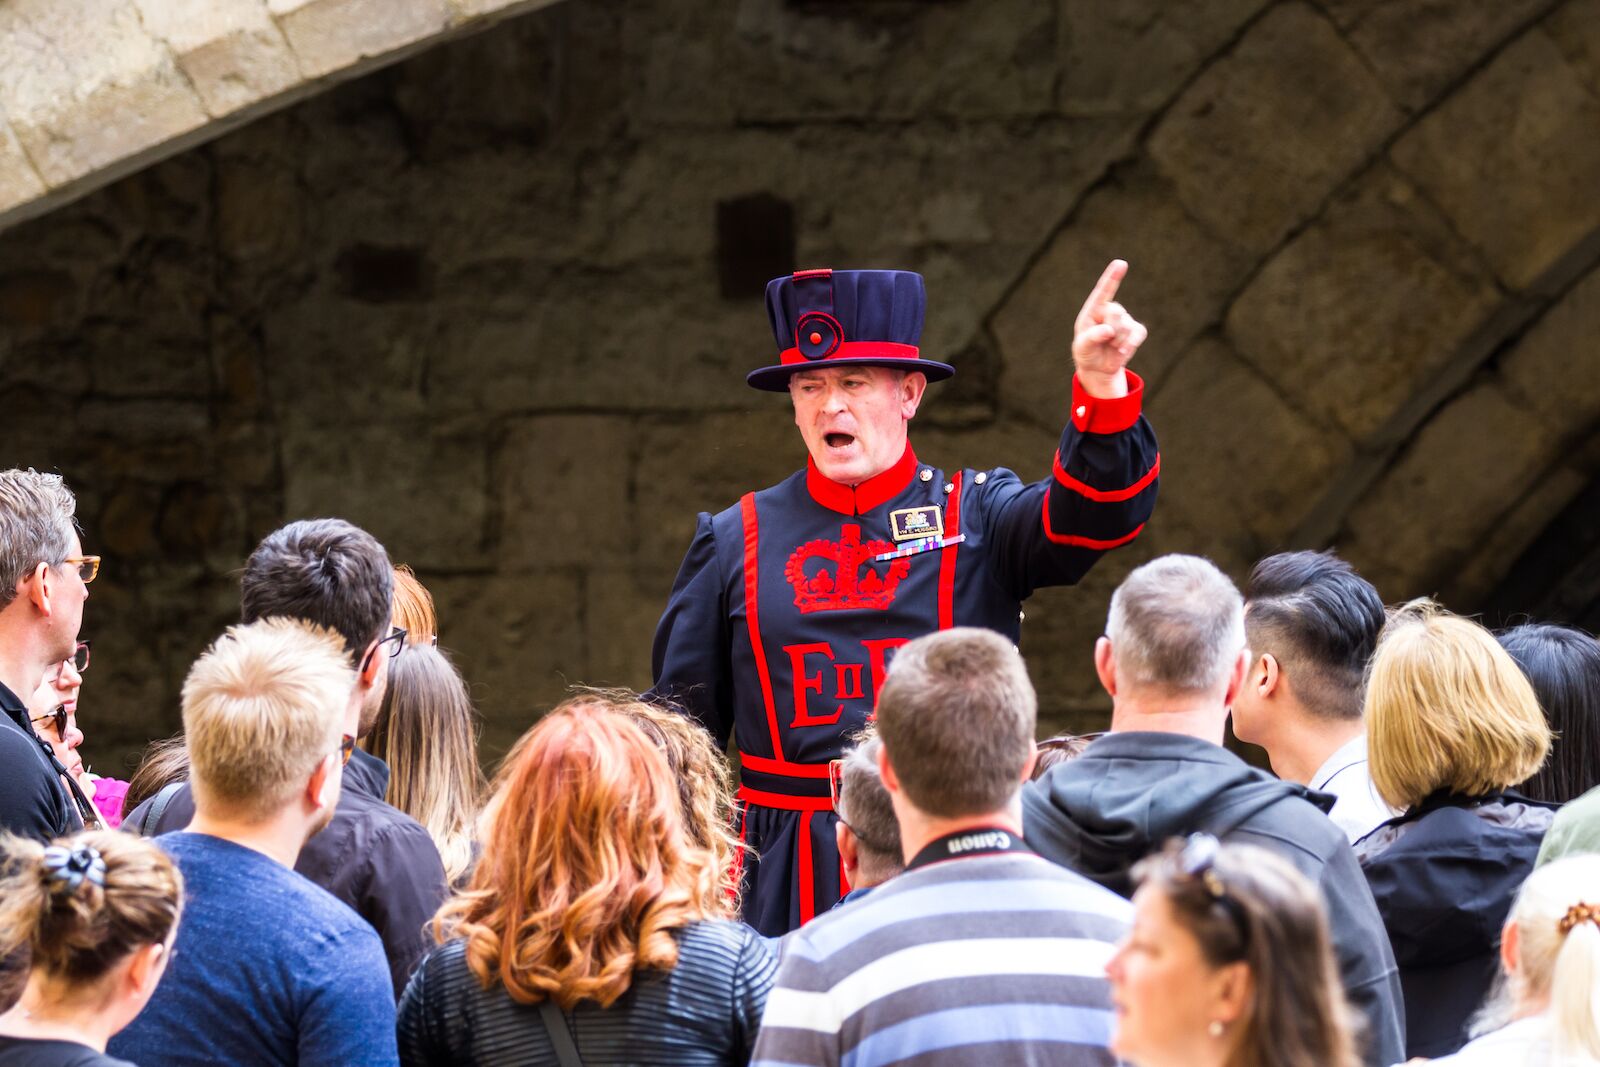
x=371 y=856
x=44 y=581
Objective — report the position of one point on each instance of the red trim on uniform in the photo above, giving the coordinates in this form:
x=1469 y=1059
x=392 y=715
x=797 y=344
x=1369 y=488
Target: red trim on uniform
x=1102 y=415
x=1083 y=542
x=860 y=499
x=947 y=557
x=852 y=350
x=783 y=801
x=783 y=767
x=752 y=599
x=819 y=272
x=808 y=900
x=1107 y=496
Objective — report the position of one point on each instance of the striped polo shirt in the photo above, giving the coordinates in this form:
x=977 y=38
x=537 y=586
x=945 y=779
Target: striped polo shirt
x=996 y=959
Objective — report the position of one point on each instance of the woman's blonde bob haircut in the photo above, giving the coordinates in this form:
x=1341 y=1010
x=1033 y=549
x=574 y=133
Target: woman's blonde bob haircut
x=1447 y=708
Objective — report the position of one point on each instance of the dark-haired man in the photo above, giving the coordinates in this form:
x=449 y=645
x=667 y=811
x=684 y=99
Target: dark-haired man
x=376 y=859
x=981 y=952
x=1312 y=623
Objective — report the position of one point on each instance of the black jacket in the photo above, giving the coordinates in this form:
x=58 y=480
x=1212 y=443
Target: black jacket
x=33 y=801
x=1129 y=792
x=376 y=859
x=1444 y=875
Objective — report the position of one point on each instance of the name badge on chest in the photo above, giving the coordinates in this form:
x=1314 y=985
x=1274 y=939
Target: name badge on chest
x=916 y=524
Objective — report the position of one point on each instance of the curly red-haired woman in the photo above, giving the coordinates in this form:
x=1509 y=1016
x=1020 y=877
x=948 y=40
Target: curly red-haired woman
x=591 y=919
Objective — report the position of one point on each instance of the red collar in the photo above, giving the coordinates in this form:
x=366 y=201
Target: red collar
x=860 y=499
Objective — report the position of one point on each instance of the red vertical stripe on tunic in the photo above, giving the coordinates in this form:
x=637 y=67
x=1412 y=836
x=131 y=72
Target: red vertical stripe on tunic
x=947 y=560
x=752 y=590
x=808 y=898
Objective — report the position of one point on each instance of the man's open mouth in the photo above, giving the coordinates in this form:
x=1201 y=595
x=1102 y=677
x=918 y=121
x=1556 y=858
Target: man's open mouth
x=839 y=440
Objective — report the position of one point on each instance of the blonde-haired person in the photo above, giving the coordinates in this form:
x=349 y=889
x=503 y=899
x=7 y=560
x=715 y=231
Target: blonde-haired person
x=1229 y=964
x=592 y=924
x=268 y=967
x=1452 y=726
x=96 y=914
x=1548 y=1010
x=427 y=732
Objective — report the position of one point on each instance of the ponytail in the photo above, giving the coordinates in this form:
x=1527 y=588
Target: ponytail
x=1575 y=986
x=81 y=905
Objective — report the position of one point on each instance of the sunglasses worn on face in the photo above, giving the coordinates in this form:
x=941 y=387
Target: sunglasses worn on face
x=57 y=720
x=88 y=566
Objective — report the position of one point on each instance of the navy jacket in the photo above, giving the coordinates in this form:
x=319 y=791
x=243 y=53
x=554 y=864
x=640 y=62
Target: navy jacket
x=33 y=802
x=789 y=605
x=1444 y=875
x=1130 y=792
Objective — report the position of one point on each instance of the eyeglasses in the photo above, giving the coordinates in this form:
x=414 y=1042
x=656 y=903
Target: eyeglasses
x=79 y=658
x=1198 y=861
x=88 y=566
x=396 y=640
x=347 y=748
x=57 y=720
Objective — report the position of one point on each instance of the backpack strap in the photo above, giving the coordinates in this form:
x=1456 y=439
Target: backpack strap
x=158 y=807
x=555 y=1025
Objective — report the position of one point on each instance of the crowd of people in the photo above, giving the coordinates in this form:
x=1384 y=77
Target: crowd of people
x=317 y=871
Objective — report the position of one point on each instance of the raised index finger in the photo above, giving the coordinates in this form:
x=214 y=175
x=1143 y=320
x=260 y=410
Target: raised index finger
x=1106 y=288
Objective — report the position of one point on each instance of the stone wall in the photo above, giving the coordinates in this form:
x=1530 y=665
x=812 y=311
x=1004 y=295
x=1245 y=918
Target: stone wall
x=495 y=303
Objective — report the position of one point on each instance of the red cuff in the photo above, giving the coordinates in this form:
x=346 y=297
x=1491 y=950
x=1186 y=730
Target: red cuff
x=1092 y=414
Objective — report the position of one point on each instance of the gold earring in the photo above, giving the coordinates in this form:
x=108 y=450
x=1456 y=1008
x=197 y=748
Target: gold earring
x=1215 y=1029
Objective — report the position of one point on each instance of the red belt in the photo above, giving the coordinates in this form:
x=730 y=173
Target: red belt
x=763 y=799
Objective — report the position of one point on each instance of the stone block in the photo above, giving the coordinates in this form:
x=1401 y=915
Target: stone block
x=1262 y=136
x=1447 y=490
x=1418 y=47
x=1129 y=58
x=619 y=626
x=1364 y=307
x=19 y=182
x=564 y=493
x=1513 y=158
x=1486 y=565
x=705 y=463
x=330 y=35
x=1240 y=467
x=1554 y=370
x=420 y=489
x=1575 y=29
x=1178 y=279
x=231 y=50
x=888 y=60
x=518 y=638
x=85 y=86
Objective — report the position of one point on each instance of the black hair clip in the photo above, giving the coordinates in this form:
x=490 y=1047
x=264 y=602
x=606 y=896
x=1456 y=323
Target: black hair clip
x=72 y=866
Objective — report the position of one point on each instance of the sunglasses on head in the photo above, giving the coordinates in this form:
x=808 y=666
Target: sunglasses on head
x=1197 y=862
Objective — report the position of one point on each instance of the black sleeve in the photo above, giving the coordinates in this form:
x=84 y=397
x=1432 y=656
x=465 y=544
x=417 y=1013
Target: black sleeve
x=31 y=800
x=691 y=659
x=1100 y=493
x=405 y=886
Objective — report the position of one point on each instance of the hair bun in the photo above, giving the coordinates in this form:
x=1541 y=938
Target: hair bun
x=1580 y=913
x=72 y=867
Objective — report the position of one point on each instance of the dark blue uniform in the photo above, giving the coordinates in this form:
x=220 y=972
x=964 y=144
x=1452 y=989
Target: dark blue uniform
x=789 y=605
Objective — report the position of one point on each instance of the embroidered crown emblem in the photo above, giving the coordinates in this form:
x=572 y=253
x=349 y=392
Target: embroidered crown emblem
x=854 y=581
